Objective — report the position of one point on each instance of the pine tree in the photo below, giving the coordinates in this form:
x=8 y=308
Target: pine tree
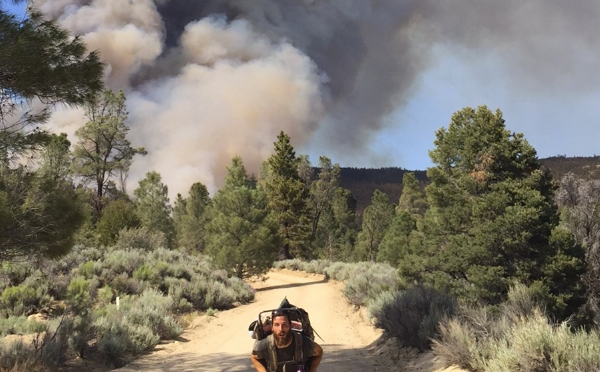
x=287 y=197
x=242 y=233
x=412 y=199
x=103 y=153
x=492 y=217
x=376 y=221
x=190 y=216
x=337 y=232
x=152 y=205
x=411 y=208
x=39 y=62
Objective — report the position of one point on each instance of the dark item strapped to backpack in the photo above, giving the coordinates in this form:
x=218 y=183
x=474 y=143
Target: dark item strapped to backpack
x=300 y=322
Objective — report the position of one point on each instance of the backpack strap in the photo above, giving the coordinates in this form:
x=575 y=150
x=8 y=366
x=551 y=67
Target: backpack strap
x=298 y=357
x=272 y=353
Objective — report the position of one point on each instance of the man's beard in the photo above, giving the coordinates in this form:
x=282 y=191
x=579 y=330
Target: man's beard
x=281 y=341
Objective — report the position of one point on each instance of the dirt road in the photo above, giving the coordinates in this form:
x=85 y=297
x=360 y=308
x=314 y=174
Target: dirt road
x=222 y=343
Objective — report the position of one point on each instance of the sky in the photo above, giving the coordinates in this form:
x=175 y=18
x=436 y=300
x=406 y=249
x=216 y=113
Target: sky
x=364 y=82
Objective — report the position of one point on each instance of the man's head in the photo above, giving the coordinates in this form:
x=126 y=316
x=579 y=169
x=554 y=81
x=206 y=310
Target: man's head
x=281 y=327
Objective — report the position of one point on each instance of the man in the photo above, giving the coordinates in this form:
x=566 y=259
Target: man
x=281 y=345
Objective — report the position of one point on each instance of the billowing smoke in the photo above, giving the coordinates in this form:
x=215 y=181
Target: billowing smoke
x=208 y=80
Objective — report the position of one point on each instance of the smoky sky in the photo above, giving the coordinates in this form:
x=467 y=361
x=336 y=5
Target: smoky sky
x=210 y=79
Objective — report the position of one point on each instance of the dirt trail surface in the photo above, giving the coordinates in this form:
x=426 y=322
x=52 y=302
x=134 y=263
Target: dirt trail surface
x=222 y=343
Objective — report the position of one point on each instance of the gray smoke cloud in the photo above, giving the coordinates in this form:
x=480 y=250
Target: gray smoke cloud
x=208 y=80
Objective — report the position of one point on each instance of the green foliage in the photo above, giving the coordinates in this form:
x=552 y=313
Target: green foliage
x=20 y=325
x=23 y=300
x=412 y=316
x=191 y=216
x=396 y=241
x=38 y=214
x=376 y=221
x=338 y=231
x=491 y=216
x=412 y=199
x=322 y=193
x=15 y=273
x=148 y=274
x=152 y=203
x=116 y=216
x=287 y=197
x=242 y=234
x=140 y=238
x=103 y=154
x=39 y=60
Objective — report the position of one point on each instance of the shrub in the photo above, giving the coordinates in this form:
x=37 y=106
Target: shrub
x=519 y=338
x=20 y=325
x=78 y=295
x=23 y=300
x=316 y=266
x=105 y=295
x=152 y=309
x=363 y=288
x=16 y=354
x=219 y=296
x=140 y=238
x=534 y=345
x=55 y=345
x=87 y=270
x=123 y=285
x=112 y=350
x=413 y=315
x=15 y=272
x=148 y=274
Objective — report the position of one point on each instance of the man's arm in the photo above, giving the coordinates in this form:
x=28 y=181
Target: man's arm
x=315 y=360
x=257 y=363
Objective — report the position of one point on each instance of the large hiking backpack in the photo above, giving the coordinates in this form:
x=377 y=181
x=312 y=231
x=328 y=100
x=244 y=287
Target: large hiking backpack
x=300 y=322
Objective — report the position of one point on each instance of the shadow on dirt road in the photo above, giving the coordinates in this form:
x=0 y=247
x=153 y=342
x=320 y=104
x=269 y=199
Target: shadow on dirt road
x=334 y=360
x=294 y=285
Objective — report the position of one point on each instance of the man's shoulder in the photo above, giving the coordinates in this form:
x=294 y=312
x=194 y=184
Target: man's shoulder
x=261 y=345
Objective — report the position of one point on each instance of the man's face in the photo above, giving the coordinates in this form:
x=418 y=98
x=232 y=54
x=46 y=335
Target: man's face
x=281 y=328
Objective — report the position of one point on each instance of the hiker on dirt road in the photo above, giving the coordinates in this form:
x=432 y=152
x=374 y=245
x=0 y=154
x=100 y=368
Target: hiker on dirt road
x=285 y=350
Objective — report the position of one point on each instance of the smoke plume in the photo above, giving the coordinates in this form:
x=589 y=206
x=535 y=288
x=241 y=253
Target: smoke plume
x=208 y=80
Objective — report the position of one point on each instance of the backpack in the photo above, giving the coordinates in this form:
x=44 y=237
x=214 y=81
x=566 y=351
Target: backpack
x=300 y=325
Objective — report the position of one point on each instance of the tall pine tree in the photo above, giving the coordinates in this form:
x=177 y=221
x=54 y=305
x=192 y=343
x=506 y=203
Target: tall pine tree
x=287 y=197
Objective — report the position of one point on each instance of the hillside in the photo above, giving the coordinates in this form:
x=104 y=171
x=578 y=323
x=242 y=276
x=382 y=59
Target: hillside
x=362 y=182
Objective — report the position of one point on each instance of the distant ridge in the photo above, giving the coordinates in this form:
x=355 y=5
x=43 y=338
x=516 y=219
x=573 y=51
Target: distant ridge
x=362 y=182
